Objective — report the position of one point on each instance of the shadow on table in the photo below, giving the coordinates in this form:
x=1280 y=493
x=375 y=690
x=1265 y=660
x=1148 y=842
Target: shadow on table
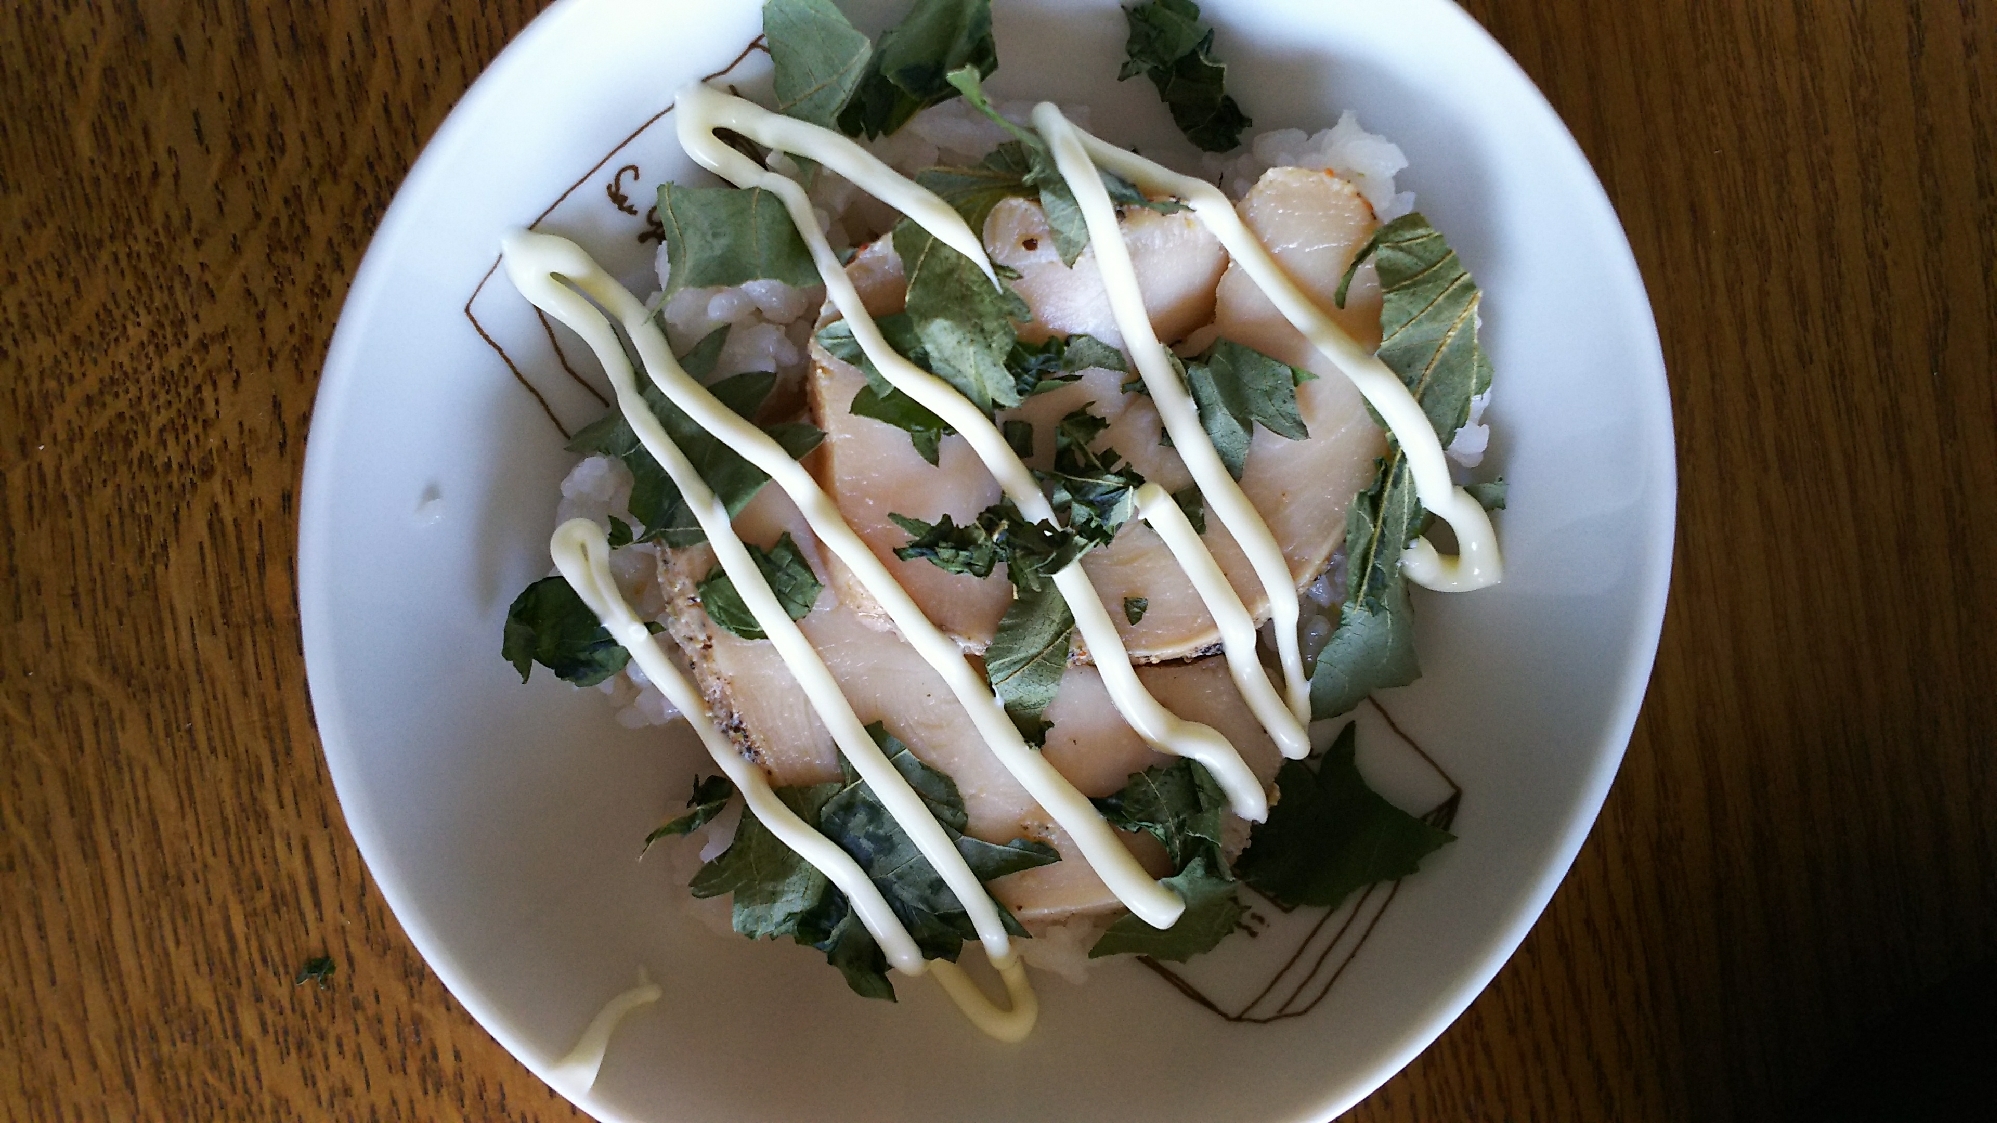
x=1934 y=1058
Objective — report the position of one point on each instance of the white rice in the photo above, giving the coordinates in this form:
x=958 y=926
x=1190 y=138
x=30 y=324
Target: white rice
x=1367 y=160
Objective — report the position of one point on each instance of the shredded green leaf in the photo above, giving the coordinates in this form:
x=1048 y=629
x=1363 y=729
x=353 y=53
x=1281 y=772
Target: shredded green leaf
x=779 y=894
x=964 y=322
x=549 y=624
x=1094 y=489
x=319 y=969
x=725 y=236
x=1212 y=911
x=1237 y=387
x=1329 y=833
x=710 y=797
x=1428 y=322
x=819 y=58
x=1180 y=804
x=1194 y=505
x=1027 y=657
x=908 y=70
x=1169 y=45
x=790 y=578
x=1134 y=609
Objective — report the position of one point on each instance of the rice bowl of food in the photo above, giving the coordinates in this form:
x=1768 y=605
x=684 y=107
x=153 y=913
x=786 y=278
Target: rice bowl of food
x=1174 y=560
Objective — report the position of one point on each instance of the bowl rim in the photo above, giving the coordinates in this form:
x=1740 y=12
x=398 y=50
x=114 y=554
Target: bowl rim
x=317 y=624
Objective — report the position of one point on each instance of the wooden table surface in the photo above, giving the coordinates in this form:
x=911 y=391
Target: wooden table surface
x=1802 y=835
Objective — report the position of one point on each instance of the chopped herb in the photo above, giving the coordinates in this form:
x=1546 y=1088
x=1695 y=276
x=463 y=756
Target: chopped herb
x=709 y=797
x=1180 y=804
x=907 y=72
x=1194 y=505
x=790 y=578
x=779 y=894
x=319 y=969
x=1212 y=911
x=1027 y=657
x=549 y=624
x=820 y=58
x=1058 y=360
x=727 y=235
x=964 y=322
x=1491 y=495
x=1237 y=387
x=1095 y=490
x=620 y=533
x=879 y=400
x=656 y=502
x=1169 y=45
x=1033 y=171
x=1019 y=435
x=1031 y=551
x=1329 y=834
x=1134 y=609
x=1428 y=322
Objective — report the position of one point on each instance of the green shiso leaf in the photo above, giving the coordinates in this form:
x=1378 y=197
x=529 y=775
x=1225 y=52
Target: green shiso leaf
x=1180 y=804
x=1212 y=911
x=974 y=191
x=1168 y=44
x=1134 y=609
x=878 y=399
x=319 y=969
x=725 y=236
x=819 y=58
x=1428 y=322
x=1491 y=495
x=710 y=796
x=1031 y=551
x=779 y=894
x=1194 y=505
x=1094 y=489
x=908 y=70
x=963 y=322
x=1329 y=834
x=774 y=888
x=1238 y=387
x=655 y=500
x=549 y=624
x=1027 y=656
x=790 y=578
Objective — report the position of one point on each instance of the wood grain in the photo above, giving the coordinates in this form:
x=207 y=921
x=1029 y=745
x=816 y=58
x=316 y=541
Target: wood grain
x=1802 y=835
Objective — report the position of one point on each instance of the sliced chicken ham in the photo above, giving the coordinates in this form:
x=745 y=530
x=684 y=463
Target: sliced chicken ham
x=754 y=698
x=1314 y=223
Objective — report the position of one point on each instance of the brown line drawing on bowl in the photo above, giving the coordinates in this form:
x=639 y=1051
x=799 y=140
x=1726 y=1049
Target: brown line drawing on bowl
x=1293 y=1003
x=614 y=192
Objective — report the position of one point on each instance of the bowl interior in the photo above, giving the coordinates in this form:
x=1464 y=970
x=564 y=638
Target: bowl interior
x=501 y=821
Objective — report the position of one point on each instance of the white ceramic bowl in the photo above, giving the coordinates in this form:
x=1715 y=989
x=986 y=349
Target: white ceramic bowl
x=501 y=820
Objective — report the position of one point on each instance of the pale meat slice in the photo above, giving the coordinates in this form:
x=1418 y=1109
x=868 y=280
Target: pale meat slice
x=754 y=698
x=1178 y=264
x=1313 y=223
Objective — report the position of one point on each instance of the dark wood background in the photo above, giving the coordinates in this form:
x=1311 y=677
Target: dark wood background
x=1802 y=837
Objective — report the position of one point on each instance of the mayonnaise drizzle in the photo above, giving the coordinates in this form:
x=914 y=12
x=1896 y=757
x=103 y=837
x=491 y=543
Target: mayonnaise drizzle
x=700 y=111
x=533 y=261
x=1478 y=562
x=575 y=1074
x=1237 y=628
x=582 y=553
x=1176 y=408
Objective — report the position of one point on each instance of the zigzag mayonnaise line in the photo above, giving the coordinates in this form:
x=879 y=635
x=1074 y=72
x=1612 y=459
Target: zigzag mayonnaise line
x=700 y=111
x=582 y=554
x=1098 y=843
x=1478 y=563
x=533 y=261
x=1175 y=408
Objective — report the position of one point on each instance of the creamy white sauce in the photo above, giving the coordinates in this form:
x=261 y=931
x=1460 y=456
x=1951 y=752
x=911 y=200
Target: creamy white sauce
x=1237 y=627
x=581 y=551
x=582 y=554
x=1477 y=563
x=700 y=111
x=533 y=261
x=575 y=1074
x=1175 y=404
